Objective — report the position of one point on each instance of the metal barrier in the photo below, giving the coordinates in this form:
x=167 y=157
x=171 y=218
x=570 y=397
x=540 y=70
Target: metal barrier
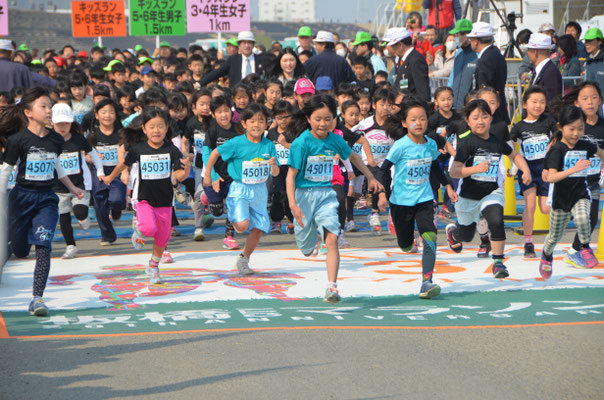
x=569 y=81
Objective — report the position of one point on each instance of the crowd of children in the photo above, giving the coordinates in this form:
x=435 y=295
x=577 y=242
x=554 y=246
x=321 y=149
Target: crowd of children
x=277 y=155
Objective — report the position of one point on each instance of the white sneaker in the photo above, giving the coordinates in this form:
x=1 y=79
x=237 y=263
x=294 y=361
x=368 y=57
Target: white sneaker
x=342 y=242
x=85 y=224
x=153 y=274
x=198 y=236
x=70 y=252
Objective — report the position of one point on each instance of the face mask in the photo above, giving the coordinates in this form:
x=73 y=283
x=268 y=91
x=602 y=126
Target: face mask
x=451 y=46
x=341 y=52
x=386 y=53
x=457 y=42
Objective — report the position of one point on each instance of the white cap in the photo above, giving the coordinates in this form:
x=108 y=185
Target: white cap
x=61 y=112
x=539 y=41
x=324 y=37
x=481 y=29
x=546 y=27
x=6 y=44
x=395 y=35
x=246 y=35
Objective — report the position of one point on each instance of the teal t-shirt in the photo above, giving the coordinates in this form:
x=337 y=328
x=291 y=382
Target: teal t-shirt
x=412 y=163
x=248 y=161
x=313 y=158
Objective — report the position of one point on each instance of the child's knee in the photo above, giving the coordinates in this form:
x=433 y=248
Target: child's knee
x=241 y=227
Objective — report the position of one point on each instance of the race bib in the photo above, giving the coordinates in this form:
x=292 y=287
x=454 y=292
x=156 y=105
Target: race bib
x=491 y=174
x=535 y=148
x=357 y=148
x=198 y=141
x=40 y=166
x=12 y=179
x=319 y=168
x=282 y=154
x=254 y=171
x=595 y=166
x=155 y=166
x=108 y=155
x=70 y=162
x=571 y=158
x=379 y=149
x=418 y=171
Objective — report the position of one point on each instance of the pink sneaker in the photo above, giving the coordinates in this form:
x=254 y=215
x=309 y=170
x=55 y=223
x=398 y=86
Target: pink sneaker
x=230 y=243
x=391 y=226
x=166 y=258
x=589 y=258
x=545 y=267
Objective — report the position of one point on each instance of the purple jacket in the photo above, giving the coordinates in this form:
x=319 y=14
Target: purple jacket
x=13 y=74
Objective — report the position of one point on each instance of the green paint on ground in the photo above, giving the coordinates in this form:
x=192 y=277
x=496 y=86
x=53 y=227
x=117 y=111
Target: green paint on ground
x=504 y=308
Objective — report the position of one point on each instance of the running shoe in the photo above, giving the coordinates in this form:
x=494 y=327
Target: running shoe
x=374 y=222
x=70 y=252
x=453 y=244
x=574 y=259
x=276 y=227
x=545 y=267
x=85 y=224
x=529 y=250
x=37 y=307
x=323 y=249
x=290 y=229
x=485 y=247
x=414 y=248
x=174 y=232
x=198 y=236
x=429 y=290
x=138 y=241
x=342 y=242
x=332 y=296
x=153 y=274
x=243 y=265
x=230 y=243
x=207 y=221
x=351 y=226
x=166 y=258
x=105 y=243
x=500 y=271
x=589 y=258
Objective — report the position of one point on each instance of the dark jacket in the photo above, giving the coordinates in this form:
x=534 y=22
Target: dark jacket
x=462 y=76
x=232 y=68
x=594 y=71
x=492 y=70
x=549 y=79
x=328 y=63
x=13 y=75
x=415 y=72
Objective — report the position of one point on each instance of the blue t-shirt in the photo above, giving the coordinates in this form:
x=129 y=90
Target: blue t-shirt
x=248 y=161
x=313 y=158
x=412 y=164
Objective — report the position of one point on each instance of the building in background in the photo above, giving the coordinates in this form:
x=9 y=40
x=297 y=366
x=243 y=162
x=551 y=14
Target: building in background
x=286 y=10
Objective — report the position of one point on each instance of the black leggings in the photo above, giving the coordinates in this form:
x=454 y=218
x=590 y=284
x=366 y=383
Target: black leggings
x=81 y=213
x=280 y=205
x=339 y=189
x=494 y=216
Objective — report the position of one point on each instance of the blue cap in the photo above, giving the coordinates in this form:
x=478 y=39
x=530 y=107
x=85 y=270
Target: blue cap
x=146 y=69
x=324 y=83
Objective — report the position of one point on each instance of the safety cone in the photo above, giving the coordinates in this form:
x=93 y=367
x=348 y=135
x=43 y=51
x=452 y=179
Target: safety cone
x=509 y=209
x=541 y=222
x=600 y=250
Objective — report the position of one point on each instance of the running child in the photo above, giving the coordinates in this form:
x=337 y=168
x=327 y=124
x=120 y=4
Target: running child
x=477 y=163
x=158 y=161
x=567 y=162
x=250 y=157
x=311 y=198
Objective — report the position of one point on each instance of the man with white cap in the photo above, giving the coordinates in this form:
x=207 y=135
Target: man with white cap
x=411 y=69
x=491 y=68
x=238 y=66
x=546 y=74
x=327 y=62
x=13 y=74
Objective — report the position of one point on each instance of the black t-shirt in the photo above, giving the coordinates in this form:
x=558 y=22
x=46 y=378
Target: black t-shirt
x=499 y=129
x=71 y=160
x=36 y=157
x=352 y=138
x=440 y=143
x=594 y=134
x=195 y=131
x=437 y=121
x=534 y=137
x=107 y=146
x=216 y=137
x=561 y=157
x=473 y=150
x=154 y=181
x=282 y=151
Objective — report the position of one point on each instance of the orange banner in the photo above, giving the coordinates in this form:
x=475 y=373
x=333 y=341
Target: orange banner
x=98 y=18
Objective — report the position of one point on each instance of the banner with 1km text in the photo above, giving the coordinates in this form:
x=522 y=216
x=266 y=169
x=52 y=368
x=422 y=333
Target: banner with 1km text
x=218 y=15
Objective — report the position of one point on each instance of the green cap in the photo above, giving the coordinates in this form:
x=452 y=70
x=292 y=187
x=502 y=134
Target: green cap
x=143 y=60
x=593 y=33
x=96 y=46
x=109 y=66
x=463 y=25
x=304 y=31
x=138 y=48
x=36 y=62
x=164 y=44
x=362 y=37
x=233 y=42
x=23 y=47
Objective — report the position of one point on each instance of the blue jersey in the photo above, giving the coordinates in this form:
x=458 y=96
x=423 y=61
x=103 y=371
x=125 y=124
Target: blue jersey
x=248 y=161
x=412 y=163
x=313 y=158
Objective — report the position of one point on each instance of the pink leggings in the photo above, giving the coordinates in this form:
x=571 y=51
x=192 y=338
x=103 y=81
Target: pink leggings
x=155 y=222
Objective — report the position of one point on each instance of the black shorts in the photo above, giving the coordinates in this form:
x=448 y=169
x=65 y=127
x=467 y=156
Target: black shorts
x=536 y=182
x=404 y=219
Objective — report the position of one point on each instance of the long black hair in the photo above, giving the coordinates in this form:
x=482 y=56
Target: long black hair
x=299 y=122
x=394 y=124
x=13 y=119
x=568 y=115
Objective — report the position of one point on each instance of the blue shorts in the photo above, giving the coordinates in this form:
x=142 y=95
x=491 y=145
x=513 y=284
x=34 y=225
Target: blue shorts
x=536 y=182
x=248 y=202
x=32 y=220
x=320 y=208
x=217 y=197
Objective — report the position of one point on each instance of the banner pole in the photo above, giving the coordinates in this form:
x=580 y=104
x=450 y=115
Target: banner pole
x=220 y=41
x=100 y=42
x=157 y=42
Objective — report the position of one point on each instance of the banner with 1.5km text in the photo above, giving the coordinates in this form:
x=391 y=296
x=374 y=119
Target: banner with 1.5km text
x=98 y=18
x=157 y=17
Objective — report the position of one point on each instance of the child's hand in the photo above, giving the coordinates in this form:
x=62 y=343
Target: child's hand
x=106 y=180
x=374 y=186
x=544 y=175
x=297 y=213
x=526 y=176
x=382 y=203
x=272 y=161
x=79 y=193
x=337 y=158
x=216 y=185
x=371 y=162
x=186 y=162
x=581 y=165
x=482 y=167
x=351 y=176
x=101 y=177
x=452 y=194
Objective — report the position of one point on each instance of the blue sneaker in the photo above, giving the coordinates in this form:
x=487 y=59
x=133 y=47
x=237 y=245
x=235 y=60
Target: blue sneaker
x=500 y=271
x=574 y=259
x=37 y=307
x=429 y=290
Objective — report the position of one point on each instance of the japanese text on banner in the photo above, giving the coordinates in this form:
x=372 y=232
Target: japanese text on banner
x=218 y=15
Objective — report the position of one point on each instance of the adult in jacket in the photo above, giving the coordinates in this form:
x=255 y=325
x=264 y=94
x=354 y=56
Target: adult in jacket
x=462 y=74
x=546 y=73
x=327 y=62
x=14 y=74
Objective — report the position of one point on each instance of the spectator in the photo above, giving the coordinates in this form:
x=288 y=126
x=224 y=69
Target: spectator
x=286 y=66
x=546 y=74
x=232 y=47
x=411 y=70
x=362 y=70
x=526 y=68
x=305 y=41
x=442 y=14
x=568 y=61
x=341 y=49
x=594 y=68
x=462 y=75
x=13 y=74
x=574 y=29
x=327 y=62
x=548 y=28
x=491 y=67
x=430 y=45
x=443 y=63
x=364 y=48
x=304 y=56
